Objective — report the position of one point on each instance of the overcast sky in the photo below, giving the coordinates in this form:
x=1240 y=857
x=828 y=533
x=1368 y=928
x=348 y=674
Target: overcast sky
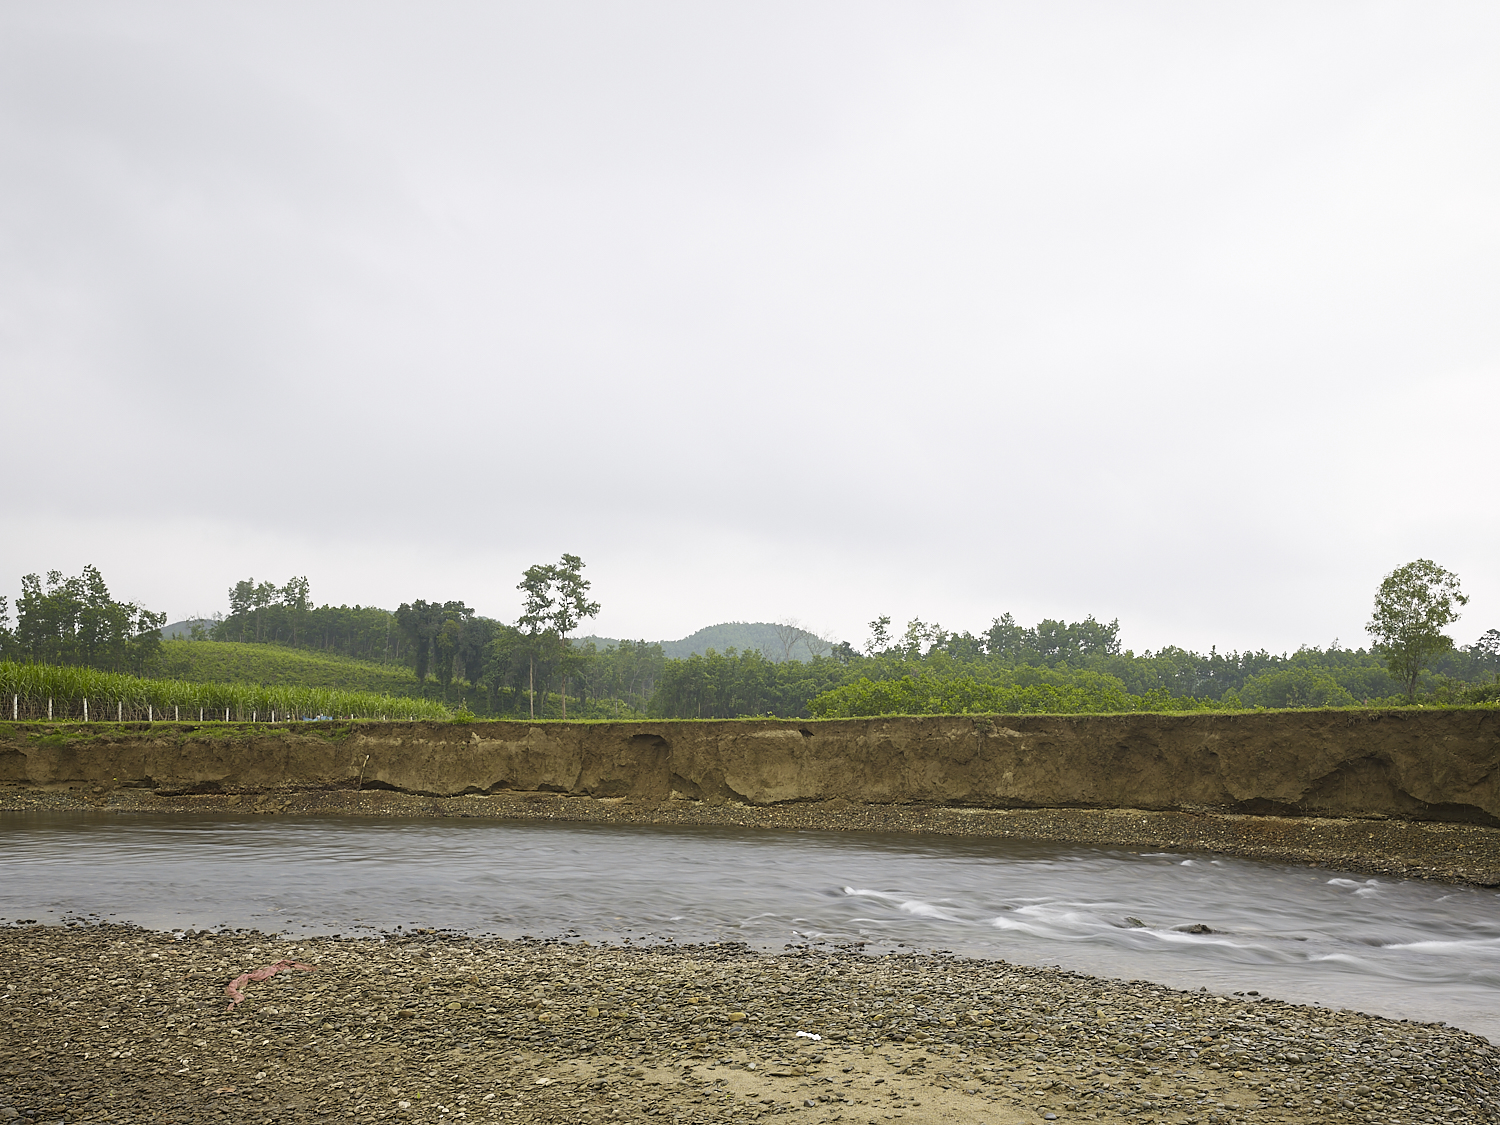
x=1179 y=313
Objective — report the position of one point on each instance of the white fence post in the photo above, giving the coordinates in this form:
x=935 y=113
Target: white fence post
x=150 y=715
x=120 y=711
x=176 y=713
x=49 y=708
x=85 y=708
x=15 y=708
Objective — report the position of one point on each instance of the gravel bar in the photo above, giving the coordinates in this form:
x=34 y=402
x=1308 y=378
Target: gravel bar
x=117 y=1024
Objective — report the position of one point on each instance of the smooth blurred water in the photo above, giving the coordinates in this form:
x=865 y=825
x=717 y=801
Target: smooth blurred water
x=1399 y=948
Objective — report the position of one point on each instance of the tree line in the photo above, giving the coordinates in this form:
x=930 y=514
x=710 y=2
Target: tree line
x=534 y=668
x=75 y=622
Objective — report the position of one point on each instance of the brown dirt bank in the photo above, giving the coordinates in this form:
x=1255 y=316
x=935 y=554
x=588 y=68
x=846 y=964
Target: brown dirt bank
x=1441 y=765
x=113 y=1024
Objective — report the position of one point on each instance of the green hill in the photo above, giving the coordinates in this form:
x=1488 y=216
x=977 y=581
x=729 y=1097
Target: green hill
x=222 y=662
x=742 y=636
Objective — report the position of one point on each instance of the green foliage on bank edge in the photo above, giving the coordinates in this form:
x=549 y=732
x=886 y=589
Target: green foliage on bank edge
x=1025 y=691
x=30 y=686
x=1040 y=691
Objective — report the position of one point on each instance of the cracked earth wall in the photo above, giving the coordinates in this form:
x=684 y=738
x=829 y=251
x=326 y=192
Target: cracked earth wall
x=1415 y=765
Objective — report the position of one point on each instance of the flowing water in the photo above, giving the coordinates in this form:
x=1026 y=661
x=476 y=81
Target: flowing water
x=1399 y=948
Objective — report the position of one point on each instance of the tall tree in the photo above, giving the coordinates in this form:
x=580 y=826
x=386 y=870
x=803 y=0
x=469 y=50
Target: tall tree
x=1413 y=606
x=450 y=622
x=296 y=597
x=536 y=616
x=419 y=622
x=571 y=608
x=7 y=634
x=557 y=602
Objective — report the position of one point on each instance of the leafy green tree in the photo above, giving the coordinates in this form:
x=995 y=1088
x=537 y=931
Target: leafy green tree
x=572 y=606
x=475 y=635
x=74 y=621
x=1298 y=686
x=536 y=616
x=1413 y=606
x=248 y=602
x=296 y=597
x=419 y=622
x=445 y=643
x=556 y=603
x=1006 y=639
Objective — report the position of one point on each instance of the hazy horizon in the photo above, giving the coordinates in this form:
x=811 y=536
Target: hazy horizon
x=1174 y=314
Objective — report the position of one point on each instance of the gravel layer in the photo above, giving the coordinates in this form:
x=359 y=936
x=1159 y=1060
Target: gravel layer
x=113 y=1023
x=1460 y=853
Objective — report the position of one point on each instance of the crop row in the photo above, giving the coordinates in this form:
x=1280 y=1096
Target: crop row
x=37 y=691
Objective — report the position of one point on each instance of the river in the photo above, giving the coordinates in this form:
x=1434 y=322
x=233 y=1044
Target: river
x=1400 y=948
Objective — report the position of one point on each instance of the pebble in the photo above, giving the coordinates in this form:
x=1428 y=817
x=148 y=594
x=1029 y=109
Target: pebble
x=440 y=1027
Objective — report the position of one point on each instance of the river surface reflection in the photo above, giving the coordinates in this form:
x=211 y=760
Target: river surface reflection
x=1399 y=948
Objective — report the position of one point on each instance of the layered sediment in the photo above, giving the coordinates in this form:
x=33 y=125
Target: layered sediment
x=1416 y=765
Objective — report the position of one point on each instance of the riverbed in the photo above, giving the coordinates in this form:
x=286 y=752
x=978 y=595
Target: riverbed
x=1407 y=949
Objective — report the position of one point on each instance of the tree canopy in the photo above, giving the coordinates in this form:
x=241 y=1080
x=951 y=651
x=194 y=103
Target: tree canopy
x=1413 y=606
x=74 y=621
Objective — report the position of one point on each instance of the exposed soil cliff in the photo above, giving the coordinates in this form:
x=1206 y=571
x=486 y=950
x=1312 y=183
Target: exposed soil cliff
x=1414 y=765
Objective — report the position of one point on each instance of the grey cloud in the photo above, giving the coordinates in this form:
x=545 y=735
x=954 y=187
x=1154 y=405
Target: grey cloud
x=1174 y=313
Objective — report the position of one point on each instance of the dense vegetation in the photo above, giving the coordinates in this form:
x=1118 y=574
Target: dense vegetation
x=1054 y=667
x=443 y=654
x=74 y=621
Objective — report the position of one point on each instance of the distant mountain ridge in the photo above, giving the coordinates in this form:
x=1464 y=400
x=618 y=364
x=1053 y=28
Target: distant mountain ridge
x=774 y=642
x=183 y=630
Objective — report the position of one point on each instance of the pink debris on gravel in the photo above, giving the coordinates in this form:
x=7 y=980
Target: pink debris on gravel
x=235 y=989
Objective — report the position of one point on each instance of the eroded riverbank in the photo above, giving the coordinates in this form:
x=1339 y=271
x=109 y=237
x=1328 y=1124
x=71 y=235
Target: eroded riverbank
x=113 y=1023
